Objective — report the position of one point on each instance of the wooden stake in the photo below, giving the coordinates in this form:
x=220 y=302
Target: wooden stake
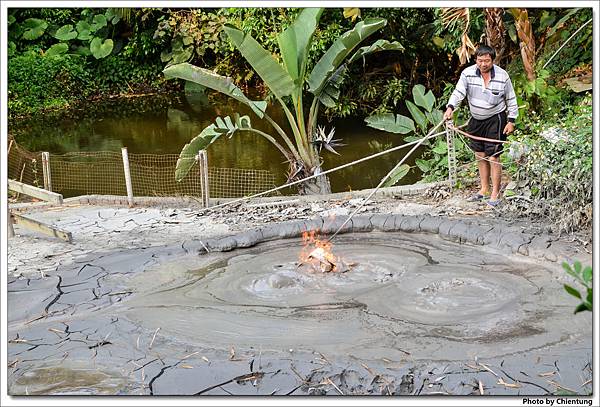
x=40 y=227
x=202 y=158
x=11 y=229
x=46 y=170
x=35 y=192
x=127 y=176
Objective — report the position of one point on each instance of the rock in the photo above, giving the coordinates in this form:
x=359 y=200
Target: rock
x=334 y=212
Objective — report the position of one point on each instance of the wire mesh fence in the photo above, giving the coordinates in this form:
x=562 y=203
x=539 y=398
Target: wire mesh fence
x=102 y=173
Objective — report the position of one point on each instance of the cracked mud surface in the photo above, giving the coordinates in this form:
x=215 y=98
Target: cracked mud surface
x=133 y=307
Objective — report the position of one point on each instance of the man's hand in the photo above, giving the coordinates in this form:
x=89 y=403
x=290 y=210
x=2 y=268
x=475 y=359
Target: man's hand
x=448 y=114
x=509 y=128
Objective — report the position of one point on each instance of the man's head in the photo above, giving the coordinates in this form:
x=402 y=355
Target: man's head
x=485 y=56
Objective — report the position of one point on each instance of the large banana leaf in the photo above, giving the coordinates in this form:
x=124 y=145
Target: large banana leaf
x=392 y=123
x=417 y=114
x=295 y=40
x=377 y=46
x=331 y=91
x=273 y=74
x=397 y=175
x=214 y=81
x=339 y=51
x=422 y=99
x=208 y=136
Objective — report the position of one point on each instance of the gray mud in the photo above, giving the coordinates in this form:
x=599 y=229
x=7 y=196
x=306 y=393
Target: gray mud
x=421 y=312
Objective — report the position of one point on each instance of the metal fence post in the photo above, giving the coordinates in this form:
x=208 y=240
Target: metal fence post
x=46 y=171
x=202 y=159
x=451 y=154
x=127 y=176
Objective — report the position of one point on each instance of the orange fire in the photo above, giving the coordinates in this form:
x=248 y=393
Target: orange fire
x=318 y=254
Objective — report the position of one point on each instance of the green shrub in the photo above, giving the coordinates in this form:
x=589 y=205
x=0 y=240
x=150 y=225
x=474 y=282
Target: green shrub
x=37 y=82
x=552 y=175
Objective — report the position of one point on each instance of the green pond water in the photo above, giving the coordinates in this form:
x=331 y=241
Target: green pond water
x=164 y=124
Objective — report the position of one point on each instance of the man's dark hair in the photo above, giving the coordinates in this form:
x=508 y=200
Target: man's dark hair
x=486 y=50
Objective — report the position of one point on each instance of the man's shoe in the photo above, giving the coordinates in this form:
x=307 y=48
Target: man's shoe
x=477 y=197
x=493 y=202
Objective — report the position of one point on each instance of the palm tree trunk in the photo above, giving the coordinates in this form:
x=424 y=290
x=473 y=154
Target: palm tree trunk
x=495 y=31
x=527 y=42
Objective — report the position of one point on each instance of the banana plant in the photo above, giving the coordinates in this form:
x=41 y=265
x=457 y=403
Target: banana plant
x=425 y=118
x=287 y=83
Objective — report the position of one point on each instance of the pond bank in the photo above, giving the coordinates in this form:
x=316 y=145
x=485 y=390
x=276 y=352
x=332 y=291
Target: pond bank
x=89 y=305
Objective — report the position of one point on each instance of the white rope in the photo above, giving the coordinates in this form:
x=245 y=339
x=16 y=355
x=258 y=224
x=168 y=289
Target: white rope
x=329 y=171
x=385 y=178
x=568 y=39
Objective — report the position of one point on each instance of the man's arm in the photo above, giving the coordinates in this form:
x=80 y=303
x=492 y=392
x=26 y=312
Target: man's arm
x=457 y=96
x=511 y=105
x=511 y=101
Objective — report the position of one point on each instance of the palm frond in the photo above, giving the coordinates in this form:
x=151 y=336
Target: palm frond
x=453 y=17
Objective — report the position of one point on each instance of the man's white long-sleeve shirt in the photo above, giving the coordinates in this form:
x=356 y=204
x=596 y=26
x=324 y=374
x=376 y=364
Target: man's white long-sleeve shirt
x=485 y=102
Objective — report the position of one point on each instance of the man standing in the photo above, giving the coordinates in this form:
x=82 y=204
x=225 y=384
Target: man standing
x=490 y=94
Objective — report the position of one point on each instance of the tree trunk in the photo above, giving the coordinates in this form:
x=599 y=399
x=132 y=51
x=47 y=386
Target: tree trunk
x=316 y=186
x=526 y=40
x=495 y=31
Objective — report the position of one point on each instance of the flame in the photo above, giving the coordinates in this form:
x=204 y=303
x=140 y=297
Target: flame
x=317 y=253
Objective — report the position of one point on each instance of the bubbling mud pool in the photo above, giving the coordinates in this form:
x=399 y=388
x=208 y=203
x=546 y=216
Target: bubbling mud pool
x=415 y=295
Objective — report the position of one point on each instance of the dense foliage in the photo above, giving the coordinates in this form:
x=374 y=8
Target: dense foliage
x=58 y=58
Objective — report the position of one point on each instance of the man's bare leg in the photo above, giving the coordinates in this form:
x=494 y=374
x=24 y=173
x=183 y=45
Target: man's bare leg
x=496 y=168
x=484 y=173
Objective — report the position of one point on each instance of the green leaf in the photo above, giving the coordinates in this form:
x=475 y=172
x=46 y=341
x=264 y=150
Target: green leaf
x=98 y=22
x=417 y=114
x=166 y=56
x=426 y=101
x=435 y=116
x=81 y=50
x=440 y=147
x=589 y=297
x=587 y=274
x=560 y=23
x=392 y=123
x=182 y=56
x=208 y=136
x=216 y=82
x=11 y=19
x=83 y=26
x=294 y=42
x=111 y=16
x=439 y=42
x=582 y=307
x=34 y=28
x=377 y=46
x=422 y=164
x=339 y=50
x=397 y=175
x=273 y=74
x=57 y=49
x=101 y=49
x=85 y=35
x=577 y=267
x=572 y=291
x=65 y=33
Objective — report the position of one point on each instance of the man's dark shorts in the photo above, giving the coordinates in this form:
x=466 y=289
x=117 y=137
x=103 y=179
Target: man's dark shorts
x=492 y=128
